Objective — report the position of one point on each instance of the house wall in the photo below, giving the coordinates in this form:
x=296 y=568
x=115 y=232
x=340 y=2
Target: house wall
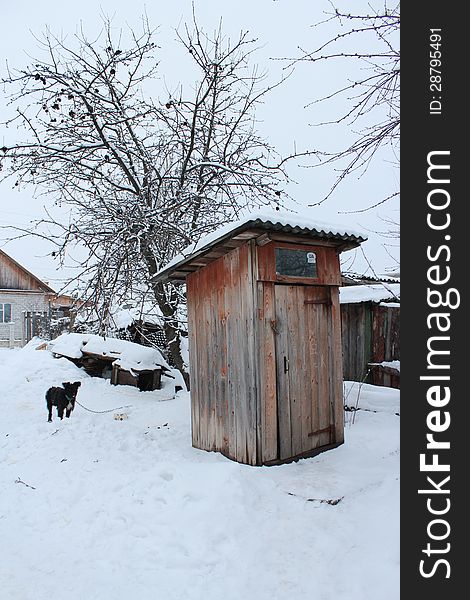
x=20 y=301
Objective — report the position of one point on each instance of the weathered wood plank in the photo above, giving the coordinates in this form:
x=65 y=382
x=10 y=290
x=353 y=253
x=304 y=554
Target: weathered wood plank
x=323 y=374
x=221 y=370
x=298 y=367
x=337 y=419
x=231 y=360
x=268 y=374
x=307 y=350
x=257 y=348
x=312 y=423
x=212 y=350
x=239 y=361
x=282 y=358
x=248 y=332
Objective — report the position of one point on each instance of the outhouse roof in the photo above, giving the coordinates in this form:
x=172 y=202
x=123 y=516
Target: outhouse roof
x=210 y=247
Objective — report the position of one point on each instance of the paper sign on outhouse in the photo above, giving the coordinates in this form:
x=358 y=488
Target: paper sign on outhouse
x=265 y=339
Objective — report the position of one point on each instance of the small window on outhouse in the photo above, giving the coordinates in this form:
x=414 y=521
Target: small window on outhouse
x=296 y=263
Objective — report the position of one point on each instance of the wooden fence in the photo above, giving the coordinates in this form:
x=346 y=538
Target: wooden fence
x=44 y=324
x=36 y=323
x=370 y=334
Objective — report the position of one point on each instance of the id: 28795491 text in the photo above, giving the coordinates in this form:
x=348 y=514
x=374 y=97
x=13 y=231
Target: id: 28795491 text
x=435 y=71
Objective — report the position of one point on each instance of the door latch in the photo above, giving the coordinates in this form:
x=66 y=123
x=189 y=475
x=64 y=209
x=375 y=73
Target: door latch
x=286 y=364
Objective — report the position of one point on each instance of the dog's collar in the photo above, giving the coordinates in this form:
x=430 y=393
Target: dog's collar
x=69 y=398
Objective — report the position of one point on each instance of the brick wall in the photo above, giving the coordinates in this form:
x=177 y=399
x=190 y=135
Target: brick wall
x=20 y=302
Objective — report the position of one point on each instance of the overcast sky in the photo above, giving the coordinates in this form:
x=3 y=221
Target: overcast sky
x=280 y=26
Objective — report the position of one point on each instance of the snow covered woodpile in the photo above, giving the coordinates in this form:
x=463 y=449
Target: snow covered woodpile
x=370 y=324
x=134 y=321
x=264 y=337
x=124 y=363
x=141 y=323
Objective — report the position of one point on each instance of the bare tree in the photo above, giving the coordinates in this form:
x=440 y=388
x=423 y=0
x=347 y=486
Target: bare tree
x=370 y=101
x=142 y=178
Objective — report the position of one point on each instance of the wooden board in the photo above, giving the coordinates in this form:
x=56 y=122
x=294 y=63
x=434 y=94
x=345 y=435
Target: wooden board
x=336 y=389
x=267 y=371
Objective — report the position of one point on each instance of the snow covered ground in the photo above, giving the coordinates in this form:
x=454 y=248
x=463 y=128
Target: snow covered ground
x=94 y=508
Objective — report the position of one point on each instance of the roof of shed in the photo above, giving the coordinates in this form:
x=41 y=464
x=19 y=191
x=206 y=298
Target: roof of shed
x=350 y=278
x=127 y=355
x=225 y=239
x=383 y=292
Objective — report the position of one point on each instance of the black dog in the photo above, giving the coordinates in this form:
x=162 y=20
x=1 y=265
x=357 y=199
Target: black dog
x=62 y=397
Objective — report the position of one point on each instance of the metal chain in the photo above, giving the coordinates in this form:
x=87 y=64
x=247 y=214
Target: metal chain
x=100 y=412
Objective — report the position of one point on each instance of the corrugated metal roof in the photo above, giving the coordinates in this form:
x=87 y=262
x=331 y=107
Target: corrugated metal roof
x=252 y=226
x=321 y=230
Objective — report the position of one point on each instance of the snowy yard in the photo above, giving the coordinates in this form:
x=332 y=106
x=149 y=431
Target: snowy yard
x=94 y=508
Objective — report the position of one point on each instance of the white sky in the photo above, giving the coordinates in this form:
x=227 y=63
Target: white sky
x=280 y=26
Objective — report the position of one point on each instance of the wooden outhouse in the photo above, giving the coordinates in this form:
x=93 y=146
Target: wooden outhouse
x=265 y=340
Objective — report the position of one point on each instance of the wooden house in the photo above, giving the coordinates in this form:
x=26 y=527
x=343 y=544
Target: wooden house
x=264 y=337
x=370 y=324
x=21 y=293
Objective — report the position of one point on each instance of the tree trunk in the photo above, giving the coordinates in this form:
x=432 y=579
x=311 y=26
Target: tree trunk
x=169 y=310
x=171 y=328
x=173 y=340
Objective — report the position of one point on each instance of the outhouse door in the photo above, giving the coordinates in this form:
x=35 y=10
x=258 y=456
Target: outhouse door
x=304 y=364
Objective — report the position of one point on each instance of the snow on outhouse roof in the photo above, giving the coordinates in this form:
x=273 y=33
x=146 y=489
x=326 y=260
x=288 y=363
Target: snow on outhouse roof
x=252 y=226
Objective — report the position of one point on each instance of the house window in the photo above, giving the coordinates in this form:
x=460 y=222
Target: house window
x=296 y=263
x=5 y=313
